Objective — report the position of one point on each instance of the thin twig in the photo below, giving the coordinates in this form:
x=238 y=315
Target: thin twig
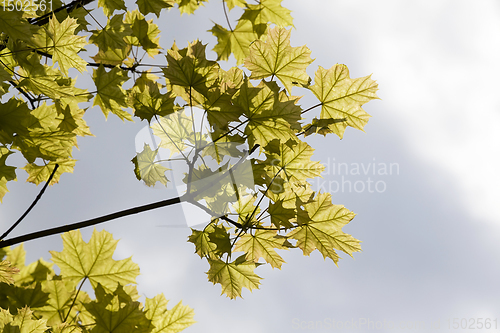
x=32 y=204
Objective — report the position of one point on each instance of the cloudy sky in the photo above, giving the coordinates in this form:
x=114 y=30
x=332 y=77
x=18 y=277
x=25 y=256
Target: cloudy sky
x=430 y=229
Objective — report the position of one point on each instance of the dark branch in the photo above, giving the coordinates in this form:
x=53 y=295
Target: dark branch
x=32 y=204
x=30 y=99
x=88 y=223
x=44 y=19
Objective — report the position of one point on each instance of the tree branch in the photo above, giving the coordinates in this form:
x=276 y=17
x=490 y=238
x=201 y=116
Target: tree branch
x=87 y=223
x=44 y=19
x=32 y=204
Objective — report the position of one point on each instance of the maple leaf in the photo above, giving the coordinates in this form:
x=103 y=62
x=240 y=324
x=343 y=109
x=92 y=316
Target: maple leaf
x=261 y=245
x=146 y=99
x=321 y=126
x=167 y=321
x=15 y=26
x=37 y=271
x=7 y=272
x=281 y=216
x=93 y=260
x=295 y=162
x=22 y=322
x=144 y=33
x=269 y=117
x=59 y=39
x=110 y=95
x=232 y=3
x=268 y=11
x=109 y=6
x=173 y=131
x=153 y=6
x=218 y=105
x=117 y=312
x=189 y=6
x=45 y=80
x=47 y=144
x=275 y=57
x=30 y=296
x=236 y=41
x=320 y=228
x=342 y=97
x=15 y=116
x=232 y=277
x=40 y=173
x=59 y=303
x=246 y=209
x=7 y=173
x=147 y=167
x=189 y=68
x=112 y=36
x=16 y=256
x=212 y=235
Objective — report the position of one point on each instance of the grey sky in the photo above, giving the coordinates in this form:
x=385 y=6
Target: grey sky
x=430 y=240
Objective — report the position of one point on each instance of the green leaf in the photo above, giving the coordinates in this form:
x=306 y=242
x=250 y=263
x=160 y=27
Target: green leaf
x=46 y=144
x=189 y=6
x=113 y=57
x=15 y=26
x=294 y=162
x=112 y=36
x=22 y=322
x=37 y=271
x=41 y=173
x=268 y=11
x=7 y=272
x=342 y=97
x=59 y=40
x=58 y=305
x=261 y=245
x=147 y=101
x=44 y=80
x=276 y=57
x=246 y=209
x=167 y=321
x=173 y=131
x=7 y=173
x=31 y=296
x=93 y=260
x=116 y=312
x=236 y=41
x=189 y=68
x=147 y=167
x=232 y=3
x=220 y=109
x=15 y=117
x=153 y=6
x=109 y=6
x=16 y=256
x=269 y=117
x=232 y=277
x=144 y=33
x=281 y=216
x=320 y=126
x=320 y=228
x=110 y=95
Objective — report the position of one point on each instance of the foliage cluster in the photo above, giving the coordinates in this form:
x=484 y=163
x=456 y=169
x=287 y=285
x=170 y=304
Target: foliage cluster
x=273 y=206
x=33 y=298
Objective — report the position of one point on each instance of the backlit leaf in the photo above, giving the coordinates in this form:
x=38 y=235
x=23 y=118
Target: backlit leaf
x=342 y=97
x=93 y=260
x=232 y=277
x=275 y=57
x=148 y=168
